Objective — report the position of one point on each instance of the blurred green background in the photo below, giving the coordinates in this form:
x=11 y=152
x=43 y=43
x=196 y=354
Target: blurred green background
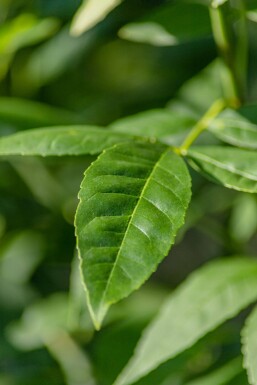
x=136 y=59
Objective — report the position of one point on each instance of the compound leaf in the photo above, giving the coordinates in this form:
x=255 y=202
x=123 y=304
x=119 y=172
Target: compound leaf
x=231 y=167
x=249 y=341
x=209 y=297
x=57 y=141
x=133 y=200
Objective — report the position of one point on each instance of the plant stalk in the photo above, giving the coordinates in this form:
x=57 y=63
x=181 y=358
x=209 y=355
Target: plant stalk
x=202 y=124
x=222 y=36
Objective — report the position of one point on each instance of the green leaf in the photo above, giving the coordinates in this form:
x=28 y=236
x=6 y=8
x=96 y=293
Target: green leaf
x=170 y=24
x=25 y=30
x=90 y=13
x=147 y=32
x=169 y=127
x=57 y=141
x=222 y=375
x=231 y=167
x=210 y=296
x=30 y=114
x=249 y=348
x=133 y=200
x=243 y=219
x=231 y=127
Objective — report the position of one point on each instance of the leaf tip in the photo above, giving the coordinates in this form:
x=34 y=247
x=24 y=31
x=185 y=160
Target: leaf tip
x=97 y=315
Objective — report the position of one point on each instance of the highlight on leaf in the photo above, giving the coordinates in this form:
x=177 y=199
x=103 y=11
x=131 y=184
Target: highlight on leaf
x=232 y=167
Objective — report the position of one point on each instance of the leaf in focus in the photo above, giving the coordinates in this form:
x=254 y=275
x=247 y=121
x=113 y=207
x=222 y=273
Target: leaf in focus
x=209 y=297
x=170 y=24
x=169 y=127
x=249 y=346
x=231 y=127
x=90 y=13
x=133 y=200
x=58 y=141
x=232 y=167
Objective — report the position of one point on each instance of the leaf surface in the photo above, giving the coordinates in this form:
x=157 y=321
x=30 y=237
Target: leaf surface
x=57 y=141
x=249 y=341
x=133 y=200
x=231 y=127
x=90 y=13
x=169 y=127
x=231 y=167
x=209 y=297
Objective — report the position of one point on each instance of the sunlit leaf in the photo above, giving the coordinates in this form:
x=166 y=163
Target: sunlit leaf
x=25 y=30
x=210 y=296
x=249 y=341
x=133 y=200
x=90 y=13
x=231 y=167
x=57 y=141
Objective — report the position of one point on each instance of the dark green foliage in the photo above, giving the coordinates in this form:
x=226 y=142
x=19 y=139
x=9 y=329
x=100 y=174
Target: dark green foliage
x=163 y=92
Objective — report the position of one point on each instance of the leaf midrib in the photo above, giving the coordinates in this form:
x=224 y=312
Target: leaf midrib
x=130 y=223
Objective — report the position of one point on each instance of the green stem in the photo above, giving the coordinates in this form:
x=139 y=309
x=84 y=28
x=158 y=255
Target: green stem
x=202 y=124
x=241 y=59
x=222 y=37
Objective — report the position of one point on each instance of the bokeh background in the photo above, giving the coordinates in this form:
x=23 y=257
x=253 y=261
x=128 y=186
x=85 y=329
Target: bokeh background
x=145 y=55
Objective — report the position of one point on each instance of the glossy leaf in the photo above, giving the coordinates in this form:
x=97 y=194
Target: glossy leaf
x=90 y=13
x=249 y=341
x=57 y=141
x=169 y=127
x=133 y=200
x=209 y=297
x=231 y=167
x=233 y=128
